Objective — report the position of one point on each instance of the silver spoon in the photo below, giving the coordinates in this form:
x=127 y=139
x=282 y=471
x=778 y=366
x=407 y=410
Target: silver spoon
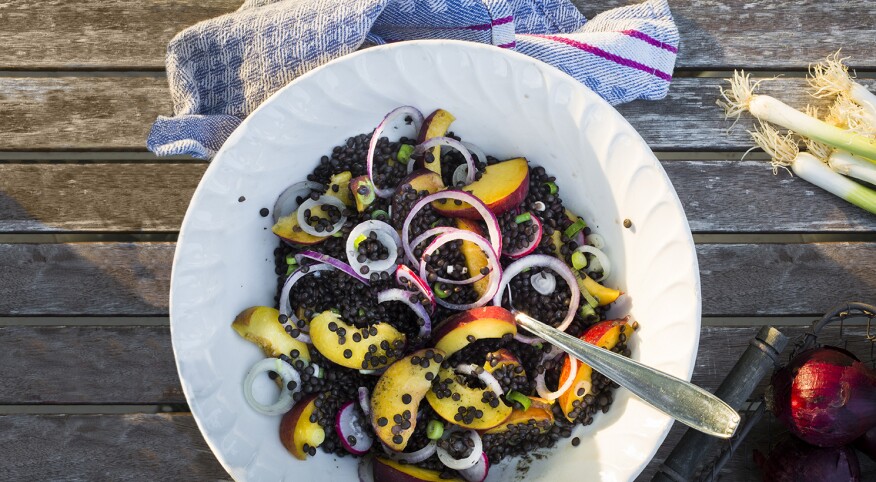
x=681 y=400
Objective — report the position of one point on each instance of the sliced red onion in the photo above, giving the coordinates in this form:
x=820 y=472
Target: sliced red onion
x=467 y=462
x=579 y=238
x=364 y=401
x=541 y=261
x=596 y=240
x=395 y=294
x=433 y=232
x=474 y=149
x=412 y=457
x=404 y=275
x=404 y=110
x=287 y=374
x=492 y=263
x=366 y=469
x=310 y=204
x=454 y=195
x=484 y=376
x=453 y=144
x=287 y=202
x=386 y=236
x=542 y=389
x=349 y=423
x=529 y=248
x=478 y=472
x=336 y=263
x=543 y=282
x=460 y=176
x=286 y=308
x=604 y=262
x=409 y=248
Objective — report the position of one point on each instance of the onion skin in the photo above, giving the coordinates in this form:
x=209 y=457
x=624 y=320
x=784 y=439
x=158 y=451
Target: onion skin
x=867 y=443
x=796 y=461
x=825 y=397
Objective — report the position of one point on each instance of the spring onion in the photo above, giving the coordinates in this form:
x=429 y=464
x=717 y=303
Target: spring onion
x=831 y=78
x=552 y=186
x=586 y=310
x=404 y=153
x=522 y=218
x=574 y=228
x=439 y=292
x=359 y=239
x=786 y=154
x=377 y=213
x=519 y=398
x=579 y=261
x=847 y=114
x=434 y=430
x=843 y=162
x=741 y=97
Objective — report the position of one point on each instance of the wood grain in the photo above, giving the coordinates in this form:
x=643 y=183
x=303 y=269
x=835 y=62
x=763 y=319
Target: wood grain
x=135 y=364
x=132 y=279
x=115 y=113
x=718 y=196
x=126 y=34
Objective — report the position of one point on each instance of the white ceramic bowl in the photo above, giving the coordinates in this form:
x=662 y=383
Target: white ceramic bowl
x=510 y=105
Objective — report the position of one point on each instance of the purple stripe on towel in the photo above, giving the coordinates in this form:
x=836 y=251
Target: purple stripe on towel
x=607 y=55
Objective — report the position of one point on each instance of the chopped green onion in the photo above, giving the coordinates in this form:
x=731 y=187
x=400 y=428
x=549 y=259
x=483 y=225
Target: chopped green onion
x=522 y=218
x=291 y=269
x=404 y=153
x=434 y=430
x=586 y=310
x=579 y=261
x=435 y=223
x=339 y=234
x=361 y=312
x=290 y=259
x=538 y=346
x=359 y=240
x=552 y=186
x=440 y=292
x=519 y=398
x=575 y=227
x=379 y=212
x=593 y=302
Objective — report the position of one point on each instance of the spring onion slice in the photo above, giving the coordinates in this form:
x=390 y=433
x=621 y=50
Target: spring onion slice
x=434 y=430
x=404 y=110
x=386 y=235
x=604 y=262
x=287 y=374
x=543 y=282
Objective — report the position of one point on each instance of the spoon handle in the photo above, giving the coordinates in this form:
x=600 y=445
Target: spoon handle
x=681 y=400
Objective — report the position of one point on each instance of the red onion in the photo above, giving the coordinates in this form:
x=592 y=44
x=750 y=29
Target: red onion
x=492 y=264
x=309 y=204
x=532 y=245
x=395 y=294
x=795 y=461
x=477 y=473
x=349 y=427
x=484 y=376
x=466 y=462
x=336 y=263
x=412 y=457
x=405 y=276
x=286 y=308
x=444 y=230
x=824 y=396
x=452 y=194
x=364 y=400
x=287 y=201
x=542 y=389
x=386 y=236
x=404 y=110
x=867 y=443
x=453 y=144
x=541 y=261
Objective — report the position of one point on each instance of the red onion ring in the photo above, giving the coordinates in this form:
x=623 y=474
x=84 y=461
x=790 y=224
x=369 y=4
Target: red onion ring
x=467 y=462
x=364 y=401
x=309 y=203
x=433 y=232
x=492 y=264
x=386 y=235
x=542 y=389
x=531 y=246
x=478 y=472
x=452 y=194
x=336 y=263
x=417 y=117
x=412 y=457
x=349 y=422
x=541 y=261
x=474 y=149
x=395 y=294
x=604 y=262
x=483 y=375
x=286 y=308
x=404 y=274
x=453 y=144
x=286 y=203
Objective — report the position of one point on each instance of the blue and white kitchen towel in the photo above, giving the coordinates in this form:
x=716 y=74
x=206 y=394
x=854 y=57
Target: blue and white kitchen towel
x=221 y=69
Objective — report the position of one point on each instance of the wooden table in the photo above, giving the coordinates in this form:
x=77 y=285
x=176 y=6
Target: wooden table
x=88 y=220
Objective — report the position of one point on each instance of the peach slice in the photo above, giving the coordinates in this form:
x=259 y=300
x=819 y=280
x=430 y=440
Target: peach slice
x=398 y=393
x=296 y=429
x=435 y=125
x=362 y=191
x=449 y=395
x=539 y=410
x=287 y=227
x=603 y=294
x=500 y=359
x=260 y=325
x=423 y=180
x=386 y=470
x=371 y=347
x=605 y=334
x=339 y=187
x=475 y=259
x=503 y=186
x=461 y=329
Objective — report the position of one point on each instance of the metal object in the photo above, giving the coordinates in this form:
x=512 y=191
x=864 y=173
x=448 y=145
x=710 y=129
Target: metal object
x=681 y=400
x=759 y=359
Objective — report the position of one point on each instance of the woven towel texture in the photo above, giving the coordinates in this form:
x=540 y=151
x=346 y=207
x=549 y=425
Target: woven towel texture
x=221 y=69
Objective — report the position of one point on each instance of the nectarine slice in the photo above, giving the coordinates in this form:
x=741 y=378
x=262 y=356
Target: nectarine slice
x=260 y=325
x=503 y=186
x=435 y=125
x=461 y=329
x=386 y=470
x=475 y=259
x=456 y=402
x=352 y=347
x=296 y=429
x=287 y=227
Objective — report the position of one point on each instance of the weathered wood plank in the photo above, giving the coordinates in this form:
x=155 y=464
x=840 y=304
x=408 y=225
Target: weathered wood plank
x=133 y=279
x=170 y=447
x=135 y=364
x=105 y=447
x=125 y=34
x=71 y=197
x=103 y=113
